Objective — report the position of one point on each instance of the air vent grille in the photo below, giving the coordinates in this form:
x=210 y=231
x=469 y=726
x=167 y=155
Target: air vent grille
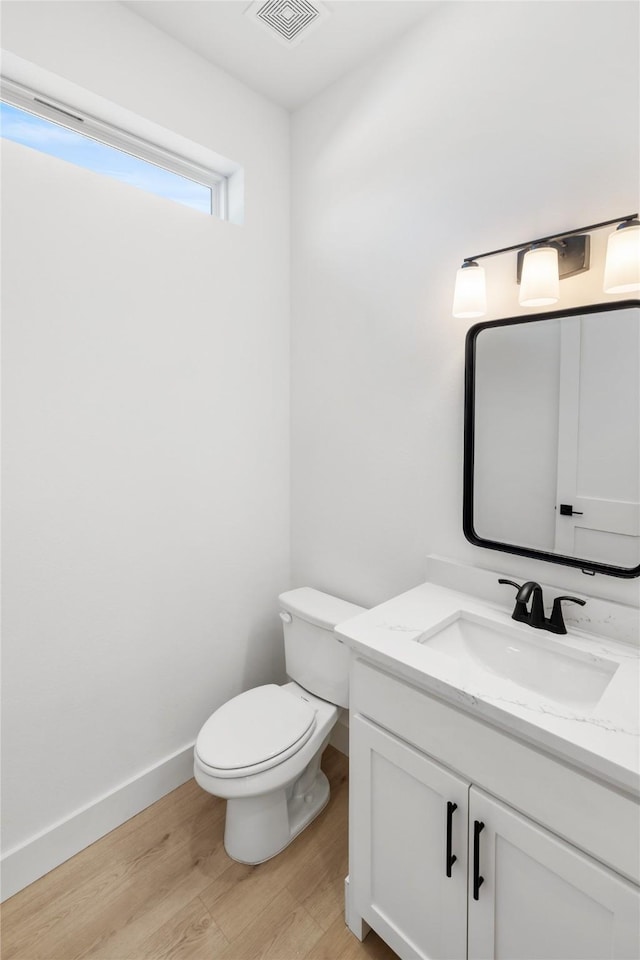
x=289 y=20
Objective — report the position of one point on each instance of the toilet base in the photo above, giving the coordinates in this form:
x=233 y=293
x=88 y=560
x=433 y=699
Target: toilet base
x=258 y=828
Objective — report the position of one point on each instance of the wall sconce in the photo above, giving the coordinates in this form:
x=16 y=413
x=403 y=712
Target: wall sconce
x=540 y=276
x=622 y=267
x=541 y=264
x=470 y=297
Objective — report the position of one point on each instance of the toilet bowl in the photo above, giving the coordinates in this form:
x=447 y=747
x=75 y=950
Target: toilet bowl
x=272 y=799
x=261 y=751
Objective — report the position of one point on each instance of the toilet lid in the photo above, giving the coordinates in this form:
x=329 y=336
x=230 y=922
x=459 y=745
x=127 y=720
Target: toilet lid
x=255 y=727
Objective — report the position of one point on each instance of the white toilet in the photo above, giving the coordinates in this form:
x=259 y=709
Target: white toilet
x=261 y=751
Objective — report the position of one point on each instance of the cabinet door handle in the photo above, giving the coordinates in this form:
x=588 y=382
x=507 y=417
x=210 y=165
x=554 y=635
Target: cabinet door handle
x=478 y=827
x=451 y=858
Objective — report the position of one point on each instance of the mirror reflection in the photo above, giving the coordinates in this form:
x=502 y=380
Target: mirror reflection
x=556 y=427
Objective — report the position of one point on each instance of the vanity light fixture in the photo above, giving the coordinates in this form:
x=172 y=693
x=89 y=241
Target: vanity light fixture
x=540 y=280
x=470 y=298
x=542 y=263
x=622 y=266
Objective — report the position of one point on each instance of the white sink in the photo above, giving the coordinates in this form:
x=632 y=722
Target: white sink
x=537 y=662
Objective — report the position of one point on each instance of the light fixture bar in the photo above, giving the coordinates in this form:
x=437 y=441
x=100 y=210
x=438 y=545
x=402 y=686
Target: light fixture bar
x=553 y=236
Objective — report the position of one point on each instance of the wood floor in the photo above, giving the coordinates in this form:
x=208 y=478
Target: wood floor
x=161 y=885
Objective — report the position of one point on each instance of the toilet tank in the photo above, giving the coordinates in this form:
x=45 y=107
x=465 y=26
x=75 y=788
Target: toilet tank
x=315 y=658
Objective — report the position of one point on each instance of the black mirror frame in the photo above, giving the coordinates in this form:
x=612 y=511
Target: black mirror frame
x=587 y=566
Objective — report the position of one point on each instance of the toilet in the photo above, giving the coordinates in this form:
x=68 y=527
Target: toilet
x=261 y=750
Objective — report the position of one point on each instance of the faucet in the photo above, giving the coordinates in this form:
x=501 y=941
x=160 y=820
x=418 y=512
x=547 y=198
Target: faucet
x=535 y=617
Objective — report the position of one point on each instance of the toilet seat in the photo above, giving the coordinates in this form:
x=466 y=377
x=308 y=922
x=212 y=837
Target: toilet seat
x=255 y=731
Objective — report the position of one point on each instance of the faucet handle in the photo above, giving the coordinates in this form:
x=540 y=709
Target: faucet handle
x=511 y=583
x=520 y=610
x=556 y=621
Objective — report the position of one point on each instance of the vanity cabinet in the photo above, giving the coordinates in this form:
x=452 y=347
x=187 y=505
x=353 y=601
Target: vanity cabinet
x=541 y=898
x=440 y=867
x=399 y=858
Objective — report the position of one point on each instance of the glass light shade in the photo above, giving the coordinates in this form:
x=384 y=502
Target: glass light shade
x=540 y=282
x=622 y=266
x=470 y=297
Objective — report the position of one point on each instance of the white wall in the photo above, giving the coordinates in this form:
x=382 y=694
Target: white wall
x=146 y=487
x=489 y=124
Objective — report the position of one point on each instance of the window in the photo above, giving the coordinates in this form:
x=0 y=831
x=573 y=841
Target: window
x=55 y=129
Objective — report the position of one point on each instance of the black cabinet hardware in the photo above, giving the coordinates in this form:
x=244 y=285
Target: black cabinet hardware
x=451 y=858
x=478 y=827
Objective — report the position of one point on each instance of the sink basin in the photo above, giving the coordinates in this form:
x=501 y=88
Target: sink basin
x=535 y=663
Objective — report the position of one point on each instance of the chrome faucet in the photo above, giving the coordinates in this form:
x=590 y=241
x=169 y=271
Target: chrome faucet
x=535 y=616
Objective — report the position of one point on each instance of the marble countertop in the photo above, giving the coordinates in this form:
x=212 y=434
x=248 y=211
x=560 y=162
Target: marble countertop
x=602 y=738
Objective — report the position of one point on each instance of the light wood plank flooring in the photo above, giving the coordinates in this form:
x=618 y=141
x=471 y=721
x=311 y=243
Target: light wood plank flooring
x=161 y=885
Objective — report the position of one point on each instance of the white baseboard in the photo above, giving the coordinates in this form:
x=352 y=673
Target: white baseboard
x=46 y=850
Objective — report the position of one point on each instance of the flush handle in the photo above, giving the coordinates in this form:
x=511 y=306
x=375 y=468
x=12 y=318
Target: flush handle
x=451 y=858
x=285 y=617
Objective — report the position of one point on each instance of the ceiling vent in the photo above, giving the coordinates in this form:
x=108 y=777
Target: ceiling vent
x=290 y=21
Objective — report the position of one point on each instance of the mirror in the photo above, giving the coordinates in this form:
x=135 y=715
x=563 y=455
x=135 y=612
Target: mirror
x=552 y=437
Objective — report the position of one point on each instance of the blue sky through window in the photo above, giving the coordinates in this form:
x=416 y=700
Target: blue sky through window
x=48 y=137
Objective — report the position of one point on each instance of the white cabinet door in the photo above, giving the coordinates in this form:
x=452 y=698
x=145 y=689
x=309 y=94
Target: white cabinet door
x=401 y=815
x=540 y=898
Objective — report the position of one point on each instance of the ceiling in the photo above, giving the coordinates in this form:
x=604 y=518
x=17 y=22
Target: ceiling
x=222 y=32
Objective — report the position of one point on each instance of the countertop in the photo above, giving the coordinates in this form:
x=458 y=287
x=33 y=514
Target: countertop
x=602 y=739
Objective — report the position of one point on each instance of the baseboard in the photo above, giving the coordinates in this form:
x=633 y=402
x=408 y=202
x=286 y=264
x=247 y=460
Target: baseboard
x=48 y=849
